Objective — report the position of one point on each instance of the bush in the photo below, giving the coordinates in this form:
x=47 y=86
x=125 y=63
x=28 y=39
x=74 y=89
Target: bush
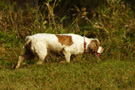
x=112 y=22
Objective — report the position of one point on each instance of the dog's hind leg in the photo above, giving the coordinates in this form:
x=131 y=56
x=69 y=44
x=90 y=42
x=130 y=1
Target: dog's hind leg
x=20 y=60
x=28 y=55
x=41 y=57
x=42 y=53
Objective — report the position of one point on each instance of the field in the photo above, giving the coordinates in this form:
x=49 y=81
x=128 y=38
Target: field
x=112 y=22
x=82 y=75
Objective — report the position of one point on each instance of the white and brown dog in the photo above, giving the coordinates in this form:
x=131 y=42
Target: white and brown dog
x=69 y=44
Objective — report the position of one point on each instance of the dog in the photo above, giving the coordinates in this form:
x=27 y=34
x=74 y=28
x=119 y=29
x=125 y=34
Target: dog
x=70 y=44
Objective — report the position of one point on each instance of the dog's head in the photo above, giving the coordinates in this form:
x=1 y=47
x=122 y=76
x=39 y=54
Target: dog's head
x=95 y=48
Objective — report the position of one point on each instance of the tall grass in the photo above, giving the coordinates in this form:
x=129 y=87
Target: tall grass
x=112 y=22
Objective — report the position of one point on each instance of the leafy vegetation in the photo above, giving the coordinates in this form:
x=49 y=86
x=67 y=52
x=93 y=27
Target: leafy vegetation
x=111 y=21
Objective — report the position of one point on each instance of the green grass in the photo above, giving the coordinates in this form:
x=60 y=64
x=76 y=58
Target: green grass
x=83 y=75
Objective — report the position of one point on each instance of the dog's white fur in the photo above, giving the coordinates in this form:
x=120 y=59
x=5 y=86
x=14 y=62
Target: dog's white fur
x=40 y=43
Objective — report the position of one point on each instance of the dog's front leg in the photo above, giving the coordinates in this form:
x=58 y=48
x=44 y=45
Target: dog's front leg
x=67 y=56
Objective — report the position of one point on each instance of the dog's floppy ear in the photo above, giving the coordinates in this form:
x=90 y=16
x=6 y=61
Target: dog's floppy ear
x=93 y=46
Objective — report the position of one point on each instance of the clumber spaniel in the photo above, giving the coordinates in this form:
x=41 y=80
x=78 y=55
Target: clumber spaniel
x=38 y=45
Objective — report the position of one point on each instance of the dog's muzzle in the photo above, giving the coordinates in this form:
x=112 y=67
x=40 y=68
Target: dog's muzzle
x=100 y=50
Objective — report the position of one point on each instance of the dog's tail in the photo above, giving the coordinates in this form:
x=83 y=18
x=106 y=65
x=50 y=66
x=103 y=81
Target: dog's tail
x=28 y=40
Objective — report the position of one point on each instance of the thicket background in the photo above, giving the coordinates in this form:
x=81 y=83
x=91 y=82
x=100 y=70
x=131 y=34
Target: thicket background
x=111 y=21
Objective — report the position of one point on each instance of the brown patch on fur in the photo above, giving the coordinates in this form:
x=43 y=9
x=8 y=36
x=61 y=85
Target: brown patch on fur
x=94 y=45
x=65 y=40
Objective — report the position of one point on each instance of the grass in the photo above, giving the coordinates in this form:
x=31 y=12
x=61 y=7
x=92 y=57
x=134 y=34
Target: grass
x=111 y=74
x=112 y=23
